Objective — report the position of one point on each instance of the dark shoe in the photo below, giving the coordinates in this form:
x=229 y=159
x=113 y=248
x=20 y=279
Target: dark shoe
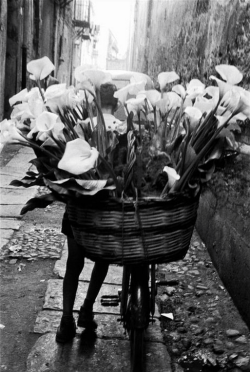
x=86 y=319
x=66 y=330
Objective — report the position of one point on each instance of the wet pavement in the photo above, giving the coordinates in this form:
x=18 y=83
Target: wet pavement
x=197 y=327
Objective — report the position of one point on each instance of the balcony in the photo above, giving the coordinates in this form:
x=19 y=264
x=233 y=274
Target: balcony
x=81 y=14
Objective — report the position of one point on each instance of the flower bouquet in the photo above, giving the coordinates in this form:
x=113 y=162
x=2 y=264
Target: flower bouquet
x=131 y=188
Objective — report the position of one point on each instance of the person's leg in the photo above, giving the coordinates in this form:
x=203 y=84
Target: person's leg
x=67 y=329
x=75 y=264
x=98 y=275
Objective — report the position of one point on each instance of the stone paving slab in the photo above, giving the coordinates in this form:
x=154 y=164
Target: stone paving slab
x=12 y=171
x=10 y=223
x=5 y=180
x=114 y=275
x=12 y=211
x=108 y=326
x=53 y=296
x=21 y=160
x=10 y=196
x=6 y=233
x=91 y=355
x=3 y=242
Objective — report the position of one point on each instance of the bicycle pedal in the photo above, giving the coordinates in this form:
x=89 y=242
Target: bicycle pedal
x=107 y=300
x=167 y=282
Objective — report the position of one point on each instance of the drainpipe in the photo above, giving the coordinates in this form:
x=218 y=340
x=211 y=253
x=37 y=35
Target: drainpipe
x=3 y=43
x=25 y=45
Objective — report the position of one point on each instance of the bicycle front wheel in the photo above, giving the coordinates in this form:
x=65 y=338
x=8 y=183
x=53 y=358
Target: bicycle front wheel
x=137 y=349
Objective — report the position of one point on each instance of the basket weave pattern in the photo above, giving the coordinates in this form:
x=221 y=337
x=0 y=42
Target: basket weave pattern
x=125 y=232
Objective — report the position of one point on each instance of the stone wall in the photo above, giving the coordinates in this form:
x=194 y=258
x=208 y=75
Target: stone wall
x=191 y=37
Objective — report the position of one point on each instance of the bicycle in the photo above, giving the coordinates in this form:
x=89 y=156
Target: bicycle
x=137 y=308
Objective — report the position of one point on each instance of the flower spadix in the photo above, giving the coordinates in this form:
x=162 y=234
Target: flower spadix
x=40 y=68
x=173 y=176
x=79 y=157
x=165 y=78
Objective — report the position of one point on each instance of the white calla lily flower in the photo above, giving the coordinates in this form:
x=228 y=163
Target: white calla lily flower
x=194 y=115
x=165 y=78
x=173 y=176
x=46 y=121
x=136 y=105
x=163 y=105
x=153 y=96
x=229 y=73
x=79 y=157
x=97 y=77
x=40 y=68
x=19 y=97
x=180 y=90
x=132 y=89
x=174 y=100
x=55 y=91
x=194 y=88
x=9 y=133
x=204 y=104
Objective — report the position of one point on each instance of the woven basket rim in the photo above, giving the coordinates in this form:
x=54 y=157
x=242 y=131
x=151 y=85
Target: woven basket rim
x=141 y=200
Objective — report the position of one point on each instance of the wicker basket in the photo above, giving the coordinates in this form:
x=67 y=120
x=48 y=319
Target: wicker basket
x=152 y=230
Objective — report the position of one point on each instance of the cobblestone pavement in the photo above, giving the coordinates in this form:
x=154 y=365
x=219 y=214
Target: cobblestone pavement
x=207 y=332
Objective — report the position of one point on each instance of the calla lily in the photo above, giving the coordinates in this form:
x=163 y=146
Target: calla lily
x=132 y=89
x=204 y=104
x=194 y=115
x=19 y=97
x=36 y=106
x=244 y=103
x=135 y=104
x=165 y=78
x=54 y=91
x=21 y=112
x=194 y=88
x=163 y=105
x=174 y=100
x=69 y=98
x=78 y=157
x=224 y=87
x=180 y=90
x=231 y=100
x=40 y=68
x=173 y=176
x=229 y=73
x=9 y=133
x=46 y=121
x=152 y=95
x=97 y=77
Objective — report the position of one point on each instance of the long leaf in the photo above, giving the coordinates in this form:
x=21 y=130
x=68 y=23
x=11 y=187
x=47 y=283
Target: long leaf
x=39 y=202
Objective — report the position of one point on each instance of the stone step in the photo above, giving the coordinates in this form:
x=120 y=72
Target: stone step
x=89 y=353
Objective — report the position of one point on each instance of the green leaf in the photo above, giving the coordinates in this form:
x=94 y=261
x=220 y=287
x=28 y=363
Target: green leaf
x=39 y=202
x=84 y=187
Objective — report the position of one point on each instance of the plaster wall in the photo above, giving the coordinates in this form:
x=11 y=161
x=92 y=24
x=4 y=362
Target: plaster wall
x=192 y=37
